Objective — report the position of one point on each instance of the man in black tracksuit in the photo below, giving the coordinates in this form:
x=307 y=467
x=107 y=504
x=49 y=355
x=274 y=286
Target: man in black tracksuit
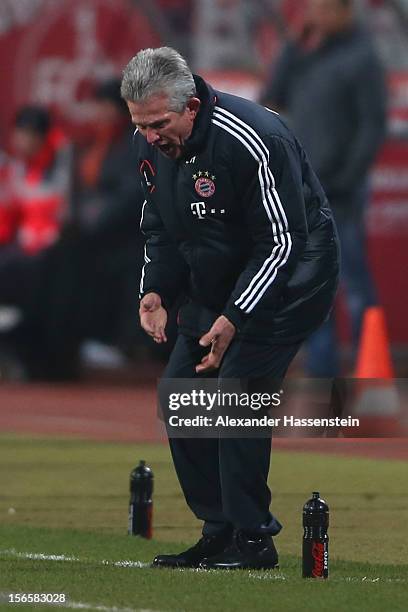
x=237 y=222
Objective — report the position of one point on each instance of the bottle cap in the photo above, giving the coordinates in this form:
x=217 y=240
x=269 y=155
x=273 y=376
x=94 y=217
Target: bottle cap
x=316 y=494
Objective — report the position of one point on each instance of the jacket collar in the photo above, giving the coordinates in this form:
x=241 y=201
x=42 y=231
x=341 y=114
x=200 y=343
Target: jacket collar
x=202 y=123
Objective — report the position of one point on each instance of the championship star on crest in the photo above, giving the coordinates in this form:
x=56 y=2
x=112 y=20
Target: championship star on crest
x=205 y=173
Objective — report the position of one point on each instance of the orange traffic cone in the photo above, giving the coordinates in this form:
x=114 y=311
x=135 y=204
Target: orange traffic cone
x=374 y=358
x=377 y=403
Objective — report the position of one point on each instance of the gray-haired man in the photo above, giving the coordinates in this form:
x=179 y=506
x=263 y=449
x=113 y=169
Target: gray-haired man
x=237 y=222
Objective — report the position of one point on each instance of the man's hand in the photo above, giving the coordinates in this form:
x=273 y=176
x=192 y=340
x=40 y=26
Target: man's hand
x=219 y=337
x=153 y=317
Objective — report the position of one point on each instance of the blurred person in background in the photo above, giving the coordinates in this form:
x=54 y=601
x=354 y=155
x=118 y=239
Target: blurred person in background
x=223 y=36
x=39 y=179
x=178 y=15
x=107 y=201
x=330 y=83
x=7 y=210
x=34 y=208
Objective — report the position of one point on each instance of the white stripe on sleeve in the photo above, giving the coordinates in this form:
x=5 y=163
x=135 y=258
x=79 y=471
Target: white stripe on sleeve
x=272 y=205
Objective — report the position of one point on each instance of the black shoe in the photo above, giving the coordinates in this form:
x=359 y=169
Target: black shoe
x=245 y=552
x=207 y=546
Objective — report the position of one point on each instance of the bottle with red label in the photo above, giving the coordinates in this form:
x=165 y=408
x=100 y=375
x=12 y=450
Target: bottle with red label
x=141 y=503
x=315 y=538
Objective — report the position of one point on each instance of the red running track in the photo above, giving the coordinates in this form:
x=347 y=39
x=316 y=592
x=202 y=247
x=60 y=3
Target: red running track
x=128 y=414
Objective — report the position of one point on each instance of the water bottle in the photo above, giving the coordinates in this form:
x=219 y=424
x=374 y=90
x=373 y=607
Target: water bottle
x=315 y=538
x=141 y=504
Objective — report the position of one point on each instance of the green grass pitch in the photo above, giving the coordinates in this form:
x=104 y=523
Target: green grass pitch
x=69 y=498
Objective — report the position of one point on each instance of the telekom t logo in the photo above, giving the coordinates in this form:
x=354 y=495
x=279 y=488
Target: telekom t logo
x=198 y=209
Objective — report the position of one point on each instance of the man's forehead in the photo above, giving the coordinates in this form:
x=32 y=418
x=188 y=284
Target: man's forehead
x=155 y=106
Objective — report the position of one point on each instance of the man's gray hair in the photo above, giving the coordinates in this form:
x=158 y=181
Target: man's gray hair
x=158 y=71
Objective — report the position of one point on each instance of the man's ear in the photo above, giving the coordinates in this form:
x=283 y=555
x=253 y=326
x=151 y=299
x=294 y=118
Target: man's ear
x=193 y=106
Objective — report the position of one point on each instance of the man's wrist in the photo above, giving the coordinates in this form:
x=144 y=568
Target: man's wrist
x=235 y=316
x=156 y=293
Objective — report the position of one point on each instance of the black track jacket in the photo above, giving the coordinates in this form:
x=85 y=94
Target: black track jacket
x=239 y=225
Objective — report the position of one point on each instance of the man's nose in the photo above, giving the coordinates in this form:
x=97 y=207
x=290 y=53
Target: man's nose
x=151 y=135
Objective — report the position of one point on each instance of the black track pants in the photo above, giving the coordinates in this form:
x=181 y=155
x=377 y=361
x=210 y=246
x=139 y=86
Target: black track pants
x=224 y=480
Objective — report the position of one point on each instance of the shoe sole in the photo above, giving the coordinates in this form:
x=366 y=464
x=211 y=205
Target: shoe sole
x=172 y=566
x=239 y=567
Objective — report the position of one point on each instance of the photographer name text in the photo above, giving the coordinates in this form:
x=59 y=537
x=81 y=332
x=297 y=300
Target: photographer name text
x=265 y=421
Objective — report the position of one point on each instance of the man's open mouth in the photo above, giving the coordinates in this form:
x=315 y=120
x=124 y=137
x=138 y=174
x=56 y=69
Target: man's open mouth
x=165 y=148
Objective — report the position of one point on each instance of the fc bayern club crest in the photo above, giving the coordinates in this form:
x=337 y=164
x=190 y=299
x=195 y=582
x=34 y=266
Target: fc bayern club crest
x=204 y=184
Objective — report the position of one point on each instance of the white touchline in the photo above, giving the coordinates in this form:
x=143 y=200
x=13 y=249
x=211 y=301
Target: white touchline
x=276 y=576
x=11 y=552
x=78 y=605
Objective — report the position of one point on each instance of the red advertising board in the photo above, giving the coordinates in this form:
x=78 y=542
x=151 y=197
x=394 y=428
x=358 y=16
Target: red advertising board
x=53 y=51
x=388 y=214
